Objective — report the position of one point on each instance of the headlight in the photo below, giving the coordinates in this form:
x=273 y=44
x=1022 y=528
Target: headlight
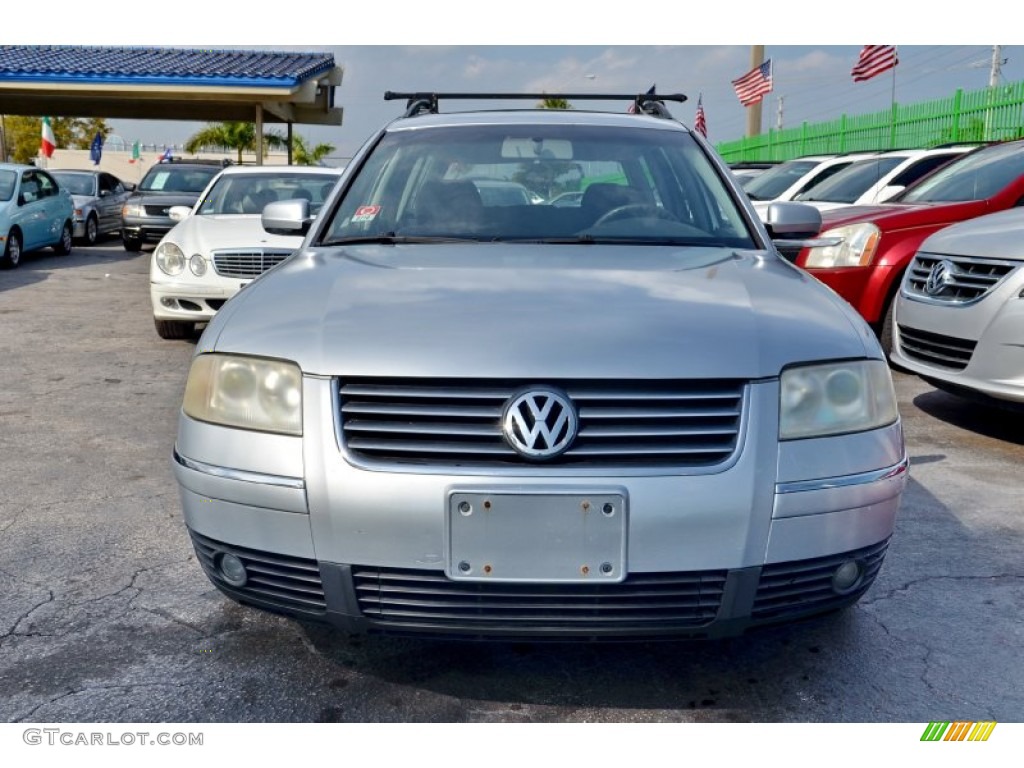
x=169 y=258
x=819 y=400
x=245 y=392
x=197 y=264
x=860 y=241
x=133 y=210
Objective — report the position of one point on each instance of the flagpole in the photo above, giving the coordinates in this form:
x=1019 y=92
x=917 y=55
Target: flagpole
x=892 y=112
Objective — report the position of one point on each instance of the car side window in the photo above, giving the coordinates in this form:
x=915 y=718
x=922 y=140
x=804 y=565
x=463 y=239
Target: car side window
x=29 y=188
x=830 y=171
x=107 y=183
x=47 y=186
x=921 y=169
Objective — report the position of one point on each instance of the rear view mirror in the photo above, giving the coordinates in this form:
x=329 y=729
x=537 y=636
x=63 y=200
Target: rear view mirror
x=536 y=149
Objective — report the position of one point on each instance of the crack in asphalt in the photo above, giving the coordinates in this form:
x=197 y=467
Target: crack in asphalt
x=915 y=582
x=89 y=688
x=13 y=630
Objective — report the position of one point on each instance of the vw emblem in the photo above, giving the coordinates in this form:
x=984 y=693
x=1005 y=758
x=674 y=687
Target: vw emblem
x=943 y=275
x=540 y=424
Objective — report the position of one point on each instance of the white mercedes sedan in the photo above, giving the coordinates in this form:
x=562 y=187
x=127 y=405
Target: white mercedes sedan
x=219 y=245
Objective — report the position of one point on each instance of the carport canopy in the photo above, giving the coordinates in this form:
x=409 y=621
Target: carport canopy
x=170 y=84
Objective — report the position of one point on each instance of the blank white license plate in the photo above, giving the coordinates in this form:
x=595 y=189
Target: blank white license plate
x=539 y=537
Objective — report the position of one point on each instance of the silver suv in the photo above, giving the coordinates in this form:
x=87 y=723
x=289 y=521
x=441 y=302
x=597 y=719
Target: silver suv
x=626 y=418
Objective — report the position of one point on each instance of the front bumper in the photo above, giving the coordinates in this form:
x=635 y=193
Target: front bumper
x=710 y=554
x=974 y=350
x=145 y=230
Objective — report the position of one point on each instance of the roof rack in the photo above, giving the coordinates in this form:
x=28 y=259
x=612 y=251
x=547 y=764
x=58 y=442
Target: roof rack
x=425 y=102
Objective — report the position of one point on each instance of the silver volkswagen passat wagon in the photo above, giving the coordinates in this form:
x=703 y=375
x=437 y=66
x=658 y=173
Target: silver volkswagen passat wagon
x=626 y=418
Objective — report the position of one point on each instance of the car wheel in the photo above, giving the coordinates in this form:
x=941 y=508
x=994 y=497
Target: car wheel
x=885 y=334
x=132 y=244
x=12 y=253
x=63 y=248
x=171 y=329
x=92 y=230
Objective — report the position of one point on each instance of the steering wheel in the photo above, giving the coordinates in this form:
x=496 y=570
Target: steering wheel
x=634 y=211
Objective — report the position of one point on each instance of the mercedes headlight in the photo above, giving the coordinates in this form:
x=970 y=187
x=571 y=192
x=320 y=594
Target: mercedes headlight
x=197 y=264
x=832 y=399
x=857 y=249
x=169 y=258
x=245 y=392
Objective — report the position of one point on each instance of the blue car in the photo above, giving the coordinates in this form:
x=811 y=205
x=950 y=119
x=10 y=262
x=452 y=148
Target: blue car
x=35 y=212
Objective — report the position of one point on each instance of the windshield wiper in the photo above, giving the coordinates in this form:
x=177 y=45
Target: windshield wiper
x=390 y=238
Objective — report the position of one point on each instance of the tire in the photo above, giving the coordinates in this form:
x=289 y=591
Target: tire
x=132 y=244
x=63 y=248
x=92 y=230
x=171 y=329
x=886 y=332
x=12 y=251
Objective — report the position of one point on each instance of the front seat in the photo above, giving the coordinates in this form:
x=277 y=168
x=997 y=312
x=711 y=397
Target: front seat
x=451 y=207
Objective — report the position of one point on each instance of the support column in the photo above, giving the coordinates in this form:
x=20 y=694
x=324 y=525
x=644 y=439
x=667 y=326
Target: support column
x=289 y=142
x=259 y=134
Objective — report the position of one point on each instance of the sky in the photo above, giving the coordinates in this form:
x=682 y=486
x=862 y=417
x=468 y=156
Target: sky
x=534 y=46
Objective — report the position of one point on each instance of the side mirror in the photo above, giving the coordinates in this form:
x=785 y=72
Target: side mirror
x=287 y=217
x=792 y=220
x=179 y=212
x=104 y=193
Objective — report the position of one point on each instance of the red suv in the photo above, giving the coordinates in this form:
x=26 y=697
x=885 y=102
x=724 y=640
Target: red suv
x=879 y=241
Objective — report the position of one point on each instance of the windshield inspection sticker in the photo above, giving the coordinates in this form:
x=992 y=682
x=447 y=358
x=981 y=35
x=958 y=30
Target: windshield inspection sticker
x=366 y=213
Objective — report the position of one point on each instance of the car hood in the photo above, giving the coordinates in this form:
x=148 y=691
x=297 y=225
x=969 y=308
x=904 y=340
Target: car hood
x=996 y=236
x=890 y=217
x=210 y=233
x=507 y=311
x=165 y=198
x=81 y=201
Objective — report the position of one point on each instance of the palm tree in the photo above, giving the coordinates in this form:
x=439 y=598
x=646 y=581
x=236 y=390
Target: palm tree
x=553 y=102
x=233 y=135
x=303 y=155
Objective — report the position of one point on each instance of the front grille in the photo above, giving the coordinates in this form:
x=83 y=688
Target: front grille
x=805 y=586
x=936 y=349
x=415 y=599
x=275 y=581
x=970 y=278
x=248 y=263
x=673 y=423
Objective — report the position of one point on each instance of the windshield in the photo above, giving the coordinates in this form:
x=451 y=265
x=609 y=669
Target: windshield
x=976 y=176
x=77 y=183
x=178 y=178
x=519 y=183
x=853 y=181
x=249 y=193
x=7 y=181
x=775 y=181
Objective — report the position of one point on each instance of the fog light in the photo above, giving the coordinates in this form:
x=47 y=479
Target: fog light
x=168 y=302
x=846 y=577
x=232 y=570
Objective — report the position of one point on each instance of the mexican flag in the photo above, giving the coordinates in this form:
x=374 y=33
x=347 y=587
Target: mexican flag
x=49 y=142
x=135 y=153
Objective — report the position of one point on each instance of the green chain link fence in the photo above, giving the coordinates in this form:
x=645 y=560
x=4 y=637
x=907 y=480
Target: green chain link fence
x=990 y=114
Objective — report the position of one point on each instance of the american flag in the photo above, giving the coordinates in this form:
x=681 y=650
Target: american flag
x=699 y=123
x=874 y=60
x=752 y=87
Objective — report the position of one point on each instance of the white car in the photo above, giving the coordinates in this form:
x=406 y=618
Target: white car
x=219 y=245
x=880 y=178
x=784 y=182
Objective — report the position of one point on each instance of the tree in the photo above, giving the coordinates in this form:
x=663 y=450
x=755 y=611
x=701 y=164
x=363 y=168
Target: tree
x=302 y=154
x=24 y=134
x=551 y=102
x=232 y=135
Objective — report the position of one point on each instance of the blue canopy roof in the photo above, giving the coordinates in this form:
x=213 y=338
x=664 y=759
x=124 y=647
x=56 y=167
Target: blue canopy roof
x=159 y=66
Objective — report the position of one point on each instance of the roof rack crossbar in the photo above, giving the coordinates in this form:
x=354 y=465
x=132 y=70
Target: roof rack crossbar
x=420 y=102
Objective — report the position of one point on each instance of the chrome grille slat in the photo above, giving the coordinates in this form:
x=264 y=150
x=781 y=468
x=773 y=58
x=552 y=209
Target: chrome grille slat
x=247 y=263
x=632 y=423
x=972 y=280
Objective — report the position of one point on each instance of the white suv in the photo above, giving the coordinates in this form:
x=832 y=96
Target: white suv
x=784 y=182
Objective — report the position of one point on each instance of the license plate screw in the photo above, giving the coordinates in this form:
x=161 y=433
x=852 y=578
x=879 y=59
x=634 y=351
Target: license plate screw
x=606 y=568
x=487 y=504
x=487 y=569
x=608 y=509
x=585 y=570
x=465 y=508
x=585 y=506
x=464 y=566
